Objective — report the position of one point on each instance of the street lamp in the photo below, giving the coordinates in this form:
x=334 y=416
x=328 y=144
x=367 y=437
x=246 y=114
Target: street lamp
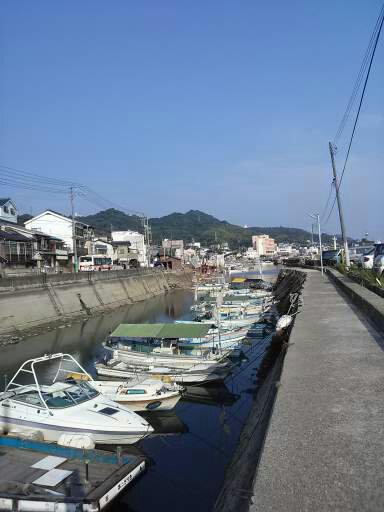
x=316 y=216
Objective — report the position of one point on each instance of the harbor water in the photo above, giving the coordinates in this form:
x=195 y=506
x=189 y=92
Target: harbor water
x=194 y=443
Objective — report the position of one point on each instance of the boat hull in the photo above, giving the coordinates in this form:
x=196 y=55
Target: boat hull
x=176 y=377
x=51 y=433
x=182 y=362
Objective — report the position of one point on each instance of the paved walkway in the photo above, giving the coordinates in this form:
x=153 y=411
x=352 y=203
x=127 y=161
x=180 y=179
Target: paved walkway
x=324 y=450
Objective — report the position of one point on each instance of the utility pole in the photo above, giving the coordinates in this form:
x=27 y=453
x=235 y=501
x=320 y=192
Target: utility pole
x=341 y=217
x=320 y=245
x=316 y=216
x=73 y=231
x=312 y=233
x=147 y=238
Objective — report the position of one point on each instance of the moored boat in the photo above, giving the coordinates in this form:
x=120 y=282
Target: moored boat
x=160 y=345
x=67 y=412
x=197 y=374
x=140 y=394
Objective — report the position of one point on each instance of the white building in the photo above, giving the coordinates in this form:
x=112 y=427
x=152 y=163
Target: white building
x=251 y=254
x=99 y=246
x=8 y=210
x=285 y=250
x=220 y=261
x=60 y=226
x=173 y=248
x=137 y=243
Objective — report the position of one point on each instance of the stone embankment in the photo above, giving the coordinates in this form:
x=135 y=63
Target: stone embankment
x=27 y=302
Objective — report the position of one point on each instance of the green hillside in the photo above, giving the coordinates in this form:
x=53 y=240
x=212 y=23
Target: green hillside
x=193 y=225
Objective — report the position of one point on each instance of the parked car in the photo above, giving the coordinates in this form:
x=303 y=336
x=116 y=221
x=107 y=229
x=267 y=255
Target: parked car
x=332 y=257
x=355 y=253
x=366 y=259
x=378 y=260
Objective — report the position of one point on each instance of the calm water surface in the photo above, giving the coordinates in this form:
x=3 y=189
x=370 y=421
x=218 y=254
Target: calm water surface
x=194 y=443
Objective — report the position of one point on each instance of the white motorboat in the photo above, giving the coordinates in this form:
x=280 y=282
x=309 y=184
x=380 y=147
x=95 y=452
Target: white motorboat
x=70 y=413
x=198 y=374
x=140 y=394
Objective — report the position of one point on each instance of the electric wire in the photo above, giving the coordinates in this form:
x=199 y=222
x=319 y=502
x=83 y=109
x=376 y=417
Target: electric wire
x=359 y=79
x=27 y=180
x=371 y=50
x=327 y=203
x=362 y=97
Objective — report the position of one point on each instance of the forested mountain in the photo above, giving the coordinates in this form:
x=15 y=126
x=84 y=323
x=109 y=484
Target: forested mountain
x=193 y=225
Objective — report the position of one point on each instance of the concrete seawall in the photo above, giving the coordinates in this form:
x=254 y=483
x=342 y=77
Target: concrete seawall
x=324 y=447
x=39 y=300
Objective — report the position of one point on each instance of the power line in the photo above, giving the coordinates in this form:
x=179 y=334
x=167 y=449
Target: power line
x=27 y=180
x=14 y=173
x=330 y=213
x=359 y=79
x=362 y=94
x=327 y=203
x=371 y=50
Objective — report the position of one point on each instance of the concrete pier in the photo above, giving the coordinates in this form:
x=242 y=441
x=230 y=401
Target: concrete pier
x=324 y=449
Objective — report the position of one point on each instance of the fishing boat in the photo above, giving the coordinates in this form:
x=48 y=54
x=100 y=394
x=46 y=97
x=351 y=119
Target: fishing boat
x=209 y=287
x=218 y=337
x=231 y=320
x=62 y=410
x=161 y=345
x=199 y=374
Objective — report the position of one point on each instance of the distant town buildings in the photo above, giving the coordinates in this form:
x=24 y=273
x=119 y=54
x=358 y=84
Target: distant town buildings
x=251 y=253
x=173 y=247
x=127 y=242
x=100 y=247
x=285 y=250
x=263 y=245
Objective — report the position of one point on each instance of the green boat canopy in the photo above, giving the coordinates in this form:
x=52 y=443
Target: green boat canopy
x=179 y=330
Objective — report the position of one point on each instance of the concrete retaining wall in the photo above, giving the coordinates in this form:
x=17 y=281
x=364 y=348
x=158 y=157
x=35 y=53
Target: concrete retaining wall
x=31 y=302
x=369 y=303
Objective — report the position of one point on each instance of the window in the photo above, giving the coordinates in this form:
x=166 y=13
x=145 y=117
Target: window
x=5 y=208
x=73 y=395
x=13 y=211
x=103 y=261
x=31 y=398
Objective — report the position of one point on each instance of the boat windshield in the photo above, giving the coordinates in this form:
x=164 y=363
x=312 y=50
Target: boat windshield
x=73 y=395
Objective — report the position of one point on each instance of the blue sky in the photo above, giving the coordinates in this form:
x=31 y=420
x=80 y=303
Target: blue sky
x=221 y=106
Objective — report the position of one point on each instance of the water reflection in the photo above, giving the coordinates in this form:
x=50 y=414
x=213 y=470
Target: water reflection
x=165 y=422
x=193 y=443
x=215 y=394
x=83 y=339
